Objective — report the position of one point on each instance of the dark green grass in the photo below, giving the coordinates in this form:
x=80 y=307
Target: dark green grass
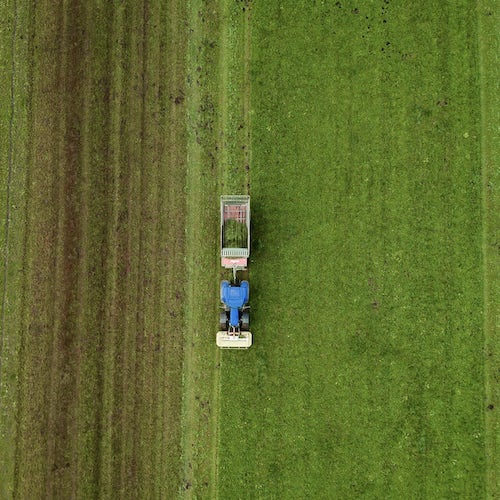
x=489 y=48
x=366 y=377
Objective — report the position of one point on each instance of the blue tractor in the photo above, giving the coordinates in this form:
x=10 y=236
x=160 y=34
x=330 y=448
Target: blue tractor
x=235 y=317
x=235 y=251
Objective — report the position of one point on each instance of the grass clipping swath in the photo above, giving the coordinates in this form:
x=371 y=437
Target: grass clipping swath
x=235 y=234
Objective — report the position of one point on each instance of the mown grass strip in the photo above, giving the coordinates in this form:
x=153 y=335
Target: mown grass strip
x=171 y=245
x=201 y=282
x=154 y=376
x=217 y=163
x=14 y=84
x=234 y=153
x=84 y=473
x=41 y=214
x=91 y=283
x=130 y=467
x=8 y=186
x=114 y=55
x=489 y=48
x=57 y=293
x=148 y=236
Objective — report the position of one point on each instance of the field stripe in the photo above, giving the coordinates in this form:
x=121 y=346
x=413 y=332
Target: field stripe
x=35 y=354
x=218 y=150
x=57 y=300
x=83 y=471
x=201 y=248
x=14 y=126
x=488 y=48
x=172 y=228
x=131 y=212
x=223 y=76
x=89 y=374
x=8 y=183
x=107 y=451
x=102 y=311
x=193 y=158
x=240 y=89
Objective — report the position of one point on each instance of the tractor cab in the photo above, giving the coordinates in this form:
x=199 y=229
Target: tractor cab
x=234 y=319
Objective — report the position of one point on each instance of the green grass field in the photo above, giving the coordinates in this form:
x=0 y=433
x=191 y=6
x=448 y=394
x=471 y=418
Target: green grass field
x=367 y=378
x=367 y=136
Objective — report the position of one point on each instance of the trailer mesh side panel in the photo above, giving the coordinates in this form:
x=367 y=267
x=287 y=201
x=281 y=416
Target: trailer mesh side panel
x=235 y=212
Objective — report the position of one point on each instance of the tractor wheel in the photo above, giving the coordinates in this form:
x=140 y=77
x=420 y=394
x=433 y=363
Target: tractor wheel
x=223 y=321
x=245 y=321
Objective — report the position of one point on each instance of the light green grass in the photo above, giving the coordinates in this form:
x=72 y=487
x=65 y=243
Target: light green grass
x=200 y=377
x=14 y=83
x=218 y=153
x=366 y=377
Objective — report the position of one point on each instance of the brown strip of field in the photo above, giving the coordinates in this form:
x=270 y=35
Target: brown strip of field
x=101 y=342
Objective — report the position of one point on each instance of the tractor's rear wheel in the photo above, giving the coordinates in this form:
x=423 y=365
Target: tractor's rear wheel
x=245 y=321
x=223 y=321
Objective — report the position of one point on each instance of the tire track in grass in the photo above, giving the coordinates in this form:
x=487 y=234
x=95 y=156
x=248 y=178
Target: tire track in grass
x=153 y=133
x=161 y=303
x=223 y=72
x=126 y=374
x=488 y=49
x=193 y=157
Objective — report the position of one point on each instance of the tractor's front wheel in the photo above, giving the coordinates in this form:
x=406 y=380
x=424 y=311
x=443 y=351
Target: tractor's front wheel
x=223 y=321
